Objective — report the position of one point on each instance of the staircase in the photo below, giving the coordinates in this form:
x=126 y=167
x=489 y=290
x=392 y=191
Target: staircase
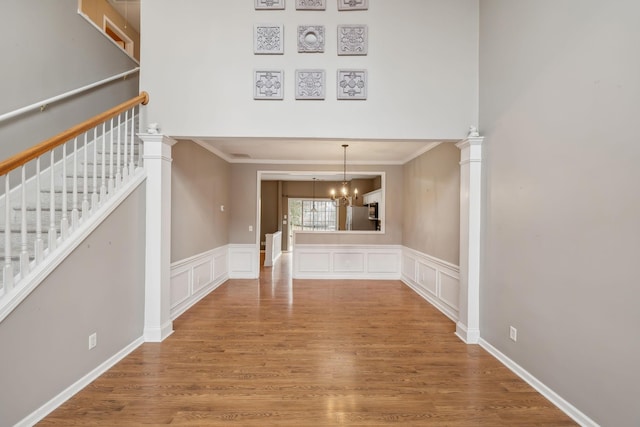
x=54 y=192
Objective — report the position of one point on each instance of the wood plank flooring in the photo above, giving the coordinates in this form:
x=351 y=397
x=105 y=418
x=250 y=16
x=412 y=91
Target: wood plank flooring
x=313 y=353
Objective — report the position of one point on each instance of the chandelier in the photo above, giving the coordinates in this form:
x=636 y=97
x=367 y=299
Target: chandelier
x=344 y=198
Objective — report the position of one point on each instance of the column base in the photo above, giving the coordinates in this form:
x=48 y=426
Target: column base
x=468 y=336
x=155 y=334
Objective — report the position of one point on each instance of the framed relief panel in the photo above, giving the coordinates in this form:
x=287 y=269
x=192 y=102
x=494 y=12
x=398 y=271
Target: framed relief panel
x=352 y=84
x=353 y=4
x=268 y=39
x=353 y=39
x=268 y=84
x=311 y=4
x=310 y=38
x=269 y=4
x=310 y=84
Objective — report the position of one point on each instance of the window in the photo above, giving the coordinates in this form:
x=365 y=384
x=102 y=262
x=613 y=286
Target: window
x=319 y=214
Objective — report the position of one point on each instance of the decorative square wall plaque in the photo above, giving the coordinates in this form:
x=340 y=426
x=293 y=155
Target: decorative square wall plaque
x=310 y=38
x=353 y=4
x=310 y=84
x=269 y=4
x=268 y=39
x=353 y=39
x=352 y=84
x=268 y=84
x=311 y=4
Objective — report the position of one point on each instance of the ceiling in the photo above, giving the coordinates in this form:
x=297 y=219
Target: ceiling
x=130 y=10
x=315 y=151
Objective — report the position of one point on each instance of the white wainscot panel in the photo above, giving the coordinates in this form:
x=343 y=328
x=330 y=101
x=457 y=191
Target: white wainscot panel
x=220 y=264
x=408 y=267
x=202 y=275
x=379 y=262
x=383 y=262
x=347 y=262
x=180 y=287
x=428 y=278
x=435 y=280
x=449 y=289
x=194 y=278
x=243 y=261
x=313 y=262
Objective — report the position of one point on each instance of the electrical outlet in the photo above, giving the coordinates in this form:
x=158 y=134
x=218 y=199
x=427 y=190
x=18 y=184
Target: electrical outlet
x=513 y=334
x=93 y=340
x=251 y=228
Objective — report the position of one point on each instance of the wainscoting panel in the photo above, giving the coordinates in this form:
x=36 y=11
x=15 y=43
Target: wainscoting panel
x=244 y=261
x=195 y=277
x=435 y=280
x=379 y=262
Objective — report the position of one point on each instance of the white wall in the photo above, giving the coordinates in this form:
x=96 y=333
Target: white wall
x=559 y=109
x=197 y=64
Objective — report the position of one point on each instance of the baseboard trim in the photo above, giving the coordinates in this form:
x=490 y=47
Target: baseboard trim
x=39 y=414
x=548 y=393
x=158 y=334
x=197 y=297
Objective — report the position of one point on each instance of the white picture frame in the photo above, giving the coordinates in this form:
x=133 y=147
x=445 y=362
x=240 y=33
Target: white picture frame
x=353 y=40
x=310 y=84
x=311 y=4
x=352 y=84
x=353 y=5
x=268 y=39
x=269 y=4
x=311 y=38
x=268 y=84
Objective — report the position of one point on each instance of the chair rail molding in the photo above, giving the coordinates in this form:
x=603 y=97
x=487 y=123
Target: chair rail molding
x=468 y=326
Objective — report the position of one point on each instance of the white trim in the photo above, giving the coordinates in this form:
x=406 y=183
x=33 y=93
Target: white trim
x=45 y=102
x=412 y=261
x=13 y=298
x=196 y=292
x=370 y=262
x=39 y=414
x=544 y=390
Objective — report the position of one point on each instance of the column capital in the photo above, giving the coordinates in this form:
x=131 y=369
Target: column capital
x=473 y=141
x=157 y=137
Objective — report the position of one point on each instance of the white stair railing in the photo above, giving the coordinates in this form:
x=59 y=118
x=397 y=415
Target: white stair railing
x=26 y=199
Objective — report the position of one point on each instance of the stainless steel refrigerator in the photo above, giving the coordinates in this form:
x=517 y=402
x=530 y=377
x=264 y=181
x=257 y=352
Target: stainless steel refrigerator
x=358 y=218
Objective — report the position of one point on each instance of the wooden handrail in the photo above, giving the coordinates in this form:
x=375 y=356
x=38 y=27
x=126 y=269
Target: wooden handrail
x=45 y=146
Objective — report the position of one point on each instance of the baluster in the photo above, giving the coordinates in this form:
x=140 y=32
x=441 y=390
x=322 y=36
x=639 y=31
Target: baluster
x=74 y=211
x=103 y=186
x=85 y=181
x=111 y=177
x=118 y=175
x=38 y=249
x=133 y=136
x=64 y=221
x=53 y=233
x=125 y=170
x=24 y=251
x=94 y=195
x=8 y=266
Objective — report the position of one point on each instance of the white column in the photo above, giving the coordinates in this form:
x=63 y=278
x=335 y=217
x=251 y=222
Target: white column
x=468 y=326
x=157 y=160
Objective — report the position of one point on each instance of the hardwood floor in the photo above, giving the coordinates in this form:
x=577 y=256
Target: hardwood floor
x=313 y=353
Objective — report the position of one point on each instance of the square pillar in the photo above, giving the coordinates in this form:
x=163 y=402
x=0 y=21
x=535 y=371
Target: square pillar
x=468 y=326
x=157 y=162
